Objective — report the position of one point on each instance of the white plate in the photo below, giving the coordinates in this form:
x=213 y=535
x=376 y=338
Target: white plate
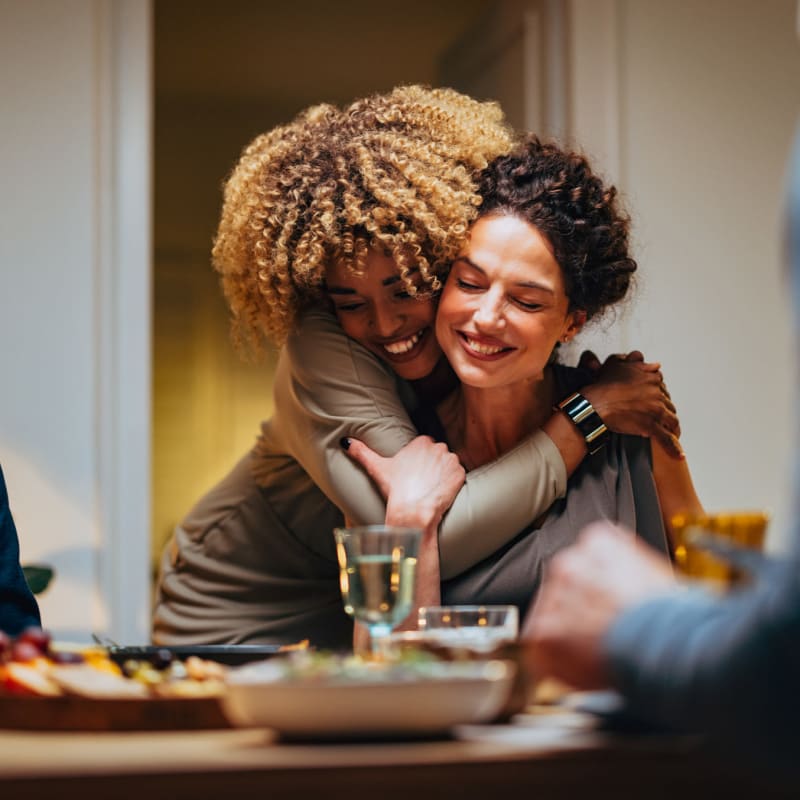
x=451 y=694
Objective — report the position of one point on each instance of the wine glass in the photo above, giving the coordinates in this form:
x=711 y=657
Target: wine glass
x=377 y=574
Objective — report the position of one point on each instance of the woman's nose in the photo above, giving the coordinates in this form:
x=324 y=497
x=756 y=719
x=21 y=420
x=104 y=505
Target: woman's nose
x=489 y=313
x=386 y=320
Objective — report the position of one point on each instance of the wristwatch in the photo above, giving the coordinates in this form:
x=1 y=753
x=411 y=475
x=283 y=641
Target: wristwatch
x=586 y=420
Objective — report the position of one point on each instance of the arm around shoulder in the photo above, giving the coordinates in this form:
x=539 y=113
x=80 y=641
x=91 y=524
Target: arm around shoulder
x=328 y=387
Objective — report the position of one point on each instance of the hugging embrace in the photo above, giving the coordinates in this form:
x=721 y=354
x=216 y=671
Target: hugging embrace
x=420 y=267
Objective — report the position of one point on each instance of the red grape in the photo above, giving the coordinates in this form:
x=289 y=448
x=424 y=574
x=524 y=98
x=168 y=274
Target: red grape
x=37 y=637
x=22 y=650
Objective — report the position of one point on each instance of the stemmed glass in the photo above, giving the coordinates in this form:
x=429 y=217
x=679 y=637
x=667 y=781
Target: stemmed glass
x=377 y=575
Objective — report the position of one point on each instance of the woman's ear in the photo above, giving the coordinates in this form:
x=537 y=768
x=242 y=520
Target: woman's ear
x=573 y=324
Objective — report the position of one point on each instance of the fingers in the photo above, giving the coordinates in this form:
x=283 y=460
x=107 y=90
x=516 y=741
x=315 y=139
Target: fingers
x=366 y=457
x=359 y=452
x=635 y=360
x=670 y=407
x=637 y=357
x=665 y=416
x=648 y=366
x=671 y=423
x=665 y=426
x=589 y=360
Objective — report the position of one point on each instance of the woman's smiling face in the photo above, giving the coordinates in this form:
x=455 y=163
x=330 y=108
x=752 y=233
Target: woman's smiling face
x=504 y=306
x=376 y=310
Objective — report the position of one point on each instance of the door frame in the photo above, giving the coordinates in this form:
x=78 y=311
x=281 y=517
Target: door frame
x=124 y=315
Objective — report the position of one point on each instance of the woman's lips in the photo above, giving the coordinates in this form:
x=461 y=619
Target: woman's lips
x=406 y=348
x=483 y=347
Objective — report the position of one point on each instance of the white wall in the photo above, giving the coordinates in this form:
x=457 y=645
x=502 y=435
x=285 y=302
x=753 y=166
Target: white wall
x=514 y=55
x=74 y=303
x=690 y=106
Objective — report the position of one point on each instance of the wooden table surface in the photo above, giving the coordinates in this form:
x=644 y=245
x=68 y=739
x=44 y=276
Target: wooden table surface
x=541 y=756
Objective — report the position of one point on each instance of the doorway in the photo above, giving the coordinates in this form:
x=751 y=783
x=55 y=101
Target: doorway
x=223 y=74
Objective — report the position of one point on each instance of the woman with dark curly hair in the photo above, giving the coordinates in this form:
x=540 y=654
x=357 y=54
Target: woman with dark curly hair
x=548 y=252
x=380 y=193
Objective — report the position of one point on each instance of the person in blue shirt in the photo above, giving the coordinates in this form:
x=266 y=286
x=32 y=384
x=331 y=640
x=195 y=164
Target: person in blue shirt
x=611 y=614
x=18 y=607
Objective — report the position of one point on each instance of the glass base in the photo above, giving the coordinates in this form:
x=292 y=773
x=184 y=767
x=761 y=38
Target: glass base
x=377 y=631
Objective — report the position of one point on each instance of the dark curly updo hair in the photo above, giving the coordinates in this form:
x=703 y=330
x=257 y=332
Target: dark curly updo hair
x=556 y=191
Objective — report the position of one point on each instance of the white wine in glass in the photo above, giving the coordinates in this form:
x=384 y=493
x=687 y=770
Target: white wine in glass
x=377 y=574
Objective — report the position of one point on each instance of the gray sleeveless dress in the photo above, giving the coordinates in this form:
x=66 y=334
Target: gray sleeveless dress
x=616 y=484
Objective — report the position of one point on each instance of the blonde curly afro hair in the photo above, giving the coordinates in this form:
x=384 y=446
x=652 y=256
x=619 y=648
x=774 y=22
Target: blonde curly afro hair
x=396 y=172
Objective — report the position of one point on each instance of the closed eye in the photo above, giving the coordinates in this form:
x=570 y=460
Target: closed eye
x=462 y=284
x=349 y=307
x=528 y=306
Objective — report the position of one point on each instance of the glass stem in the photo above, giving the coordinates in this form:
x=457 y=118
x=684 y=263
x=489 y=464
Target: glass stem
x=377 y=631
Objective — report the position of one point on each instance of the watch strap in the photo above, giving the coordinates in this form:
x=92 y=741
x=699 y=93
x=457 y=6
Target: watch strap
x=582 y=414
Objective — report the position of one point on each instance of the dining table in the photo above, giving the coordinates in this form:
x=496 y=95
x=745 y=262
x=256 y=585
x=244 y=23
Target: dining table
x=543 y=753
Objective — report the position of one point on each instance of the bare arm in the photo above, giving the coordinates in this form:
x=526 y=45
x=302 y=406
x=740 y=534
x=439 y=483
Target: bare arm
x=676 y=492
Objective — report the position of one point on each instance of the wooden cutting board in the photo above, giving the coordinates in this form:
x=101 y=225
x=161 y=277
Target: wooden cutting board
x=74 y=713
